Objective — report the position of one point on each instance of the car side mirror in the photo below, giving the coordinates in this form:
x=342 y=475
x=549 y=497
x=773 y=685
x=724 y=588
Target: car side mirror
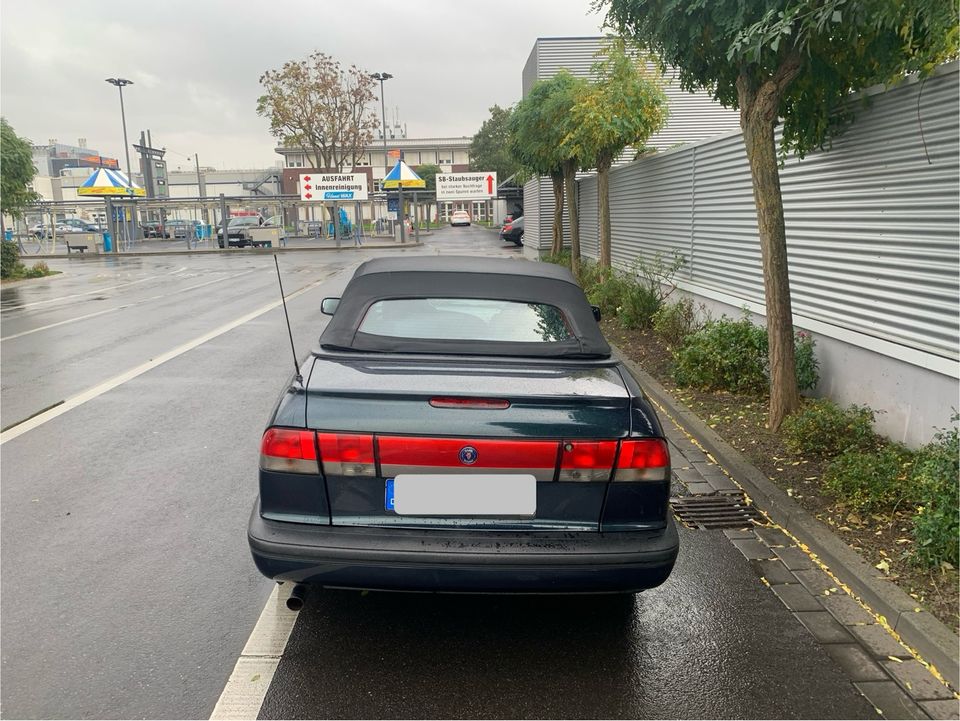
x=329 y=306
x=596 y=312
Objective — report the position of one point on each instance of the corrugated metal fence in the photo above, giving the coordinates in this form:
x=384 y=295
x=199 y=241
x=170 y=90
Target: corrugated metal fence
x=872 y=224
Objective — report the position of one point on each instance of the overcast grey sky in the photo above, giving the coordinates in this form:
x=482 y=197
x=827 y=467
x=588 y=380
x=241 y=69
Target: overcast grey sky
x=196 y=65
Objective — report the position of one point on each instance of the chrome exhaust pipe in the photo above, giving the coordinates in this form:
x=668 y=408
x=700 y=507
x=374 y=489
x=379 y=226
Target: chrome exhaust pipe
x=296 y=599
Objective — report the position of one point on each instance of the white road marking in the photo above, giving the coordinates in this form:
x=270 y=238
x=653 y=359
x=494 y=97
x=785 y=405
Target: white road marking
x=121 y=307
x=247 y=686
x=89 y=292
x=108 y=385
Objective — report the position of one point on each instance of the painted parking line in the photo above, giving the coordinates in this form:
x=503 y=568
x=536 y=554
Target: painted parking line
x=108 y=385
x=122 y=307
x=88 y=292
x=247 y=686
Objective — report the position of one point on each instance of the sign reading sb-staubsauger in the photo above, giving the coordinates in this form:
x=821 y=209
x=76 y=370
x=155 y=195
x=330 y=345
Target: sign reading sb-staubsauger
x=466 y=186
x=333 y=186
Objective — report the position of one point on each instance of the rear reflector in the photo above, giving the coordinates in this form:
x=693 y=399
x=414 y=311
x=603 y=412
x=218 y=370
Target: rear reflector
x=288 y=451
x=482 y=403
x=345 y=454
x=643 y=460
x=587 y=460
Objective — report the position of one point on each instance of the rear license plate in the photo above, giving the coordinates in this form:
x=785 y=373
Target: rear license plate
x=462 y=495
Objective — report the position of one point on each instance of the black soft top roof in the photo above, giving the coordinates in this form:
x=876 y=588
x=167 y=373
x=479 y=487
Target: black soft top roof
x=464 y=277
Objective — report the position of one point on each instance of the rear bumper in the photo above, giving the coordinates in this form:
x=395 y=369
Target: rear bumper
x=462 y=561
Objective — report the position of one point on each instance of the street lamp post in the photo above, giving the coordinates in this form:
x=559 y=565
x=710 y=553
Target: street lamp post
x=383 y=119
x=120 y=83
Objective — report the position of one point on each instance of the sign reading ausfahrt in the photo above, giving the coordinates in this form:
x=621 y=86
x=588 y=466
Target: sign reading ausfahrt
x=333 y=186
x=466 y=186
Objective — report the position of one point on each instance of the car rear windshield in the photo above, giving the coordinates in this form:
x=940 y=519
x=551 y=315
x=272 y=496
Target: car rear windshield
x=466 y=319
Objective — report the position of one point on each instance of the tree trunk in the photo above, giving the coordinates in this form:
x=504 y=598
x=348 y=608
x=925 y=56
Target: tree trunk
x=573 y=213
x=557 y=246
x=758 y=118
x=603 y=199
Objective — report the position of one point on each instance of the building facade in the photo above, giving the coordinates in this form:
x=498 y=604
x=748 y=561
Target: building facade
x=51 y=159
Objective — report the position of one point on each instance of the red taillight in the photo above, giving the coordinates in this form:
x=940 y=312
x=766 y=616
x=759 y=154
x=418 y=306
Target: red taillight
x=482 y=403
x=587 y=460
x=508 y=227
x=643 y=460
x=288 y=451
x=346 y=454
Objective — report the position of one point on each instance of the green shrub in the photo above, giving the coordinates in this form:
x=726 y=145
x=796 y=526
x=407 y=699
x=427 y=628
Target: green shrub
x=725 y=354
x=731 y=355
x=562 y=258
x=871 y=481
x=590 y=275
x=806 y=361
x=39 y=270
x=605 y=288
x=638 y=304
x=936 y=478
x=675 y=321
x=10 y=264
x=824 y=429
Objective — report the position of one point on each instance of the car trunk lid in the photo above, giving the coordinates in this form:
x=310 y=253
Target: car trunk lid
x=473 y=424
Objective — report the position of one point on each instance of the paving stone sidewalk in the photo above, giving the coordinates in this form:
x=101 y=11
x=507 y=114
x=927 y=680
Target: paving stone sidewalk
x=879 y=666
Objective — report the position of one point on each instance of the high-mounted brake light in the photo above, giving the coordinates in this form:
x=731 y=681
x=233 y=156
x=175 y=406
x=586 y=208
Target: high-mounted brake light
x=346 y=454
x=288 y=451
x=587 y=460
x=479 y=403
x=643 y=460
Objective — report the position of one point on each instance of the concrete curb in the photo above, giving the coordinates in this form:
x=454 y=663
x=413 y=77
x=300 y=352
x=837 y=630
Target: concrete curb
x=221 y=251
x=933 y=640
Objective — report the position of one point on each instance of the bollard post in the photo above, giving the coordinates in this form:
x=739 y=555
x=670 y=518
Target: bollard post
x=223 y=221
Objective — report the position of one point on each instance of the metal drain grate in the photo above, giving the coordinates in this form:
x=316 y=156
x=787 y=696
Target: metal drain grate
x=723 y=510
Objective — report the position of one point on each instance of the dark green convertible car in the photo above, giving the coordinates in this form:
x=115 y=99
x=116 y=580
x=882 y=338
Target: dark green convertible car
x=462 y=426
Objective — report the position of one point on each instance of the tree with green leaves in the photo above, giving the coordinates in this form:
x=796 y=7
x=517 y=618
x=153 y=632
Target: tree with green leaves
x=16 y=173
x=429 y=174
x=489 y=149
x=537 y=127
x=792 y=59
x=623 y=106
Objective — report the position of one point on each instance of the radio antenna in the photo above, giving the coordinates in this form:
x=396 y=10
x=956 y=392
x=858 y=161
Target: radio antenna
x=296 y=366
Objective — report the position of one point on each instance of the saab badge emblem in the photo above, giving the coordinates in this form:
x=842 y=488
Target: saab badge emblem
x=468 y=455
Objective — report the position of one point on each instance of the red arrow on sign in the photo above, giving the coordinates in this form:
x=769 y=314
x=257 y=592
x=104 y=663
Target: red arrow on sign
x=489 y=185
x=308 y=196
x=308 y=187
x=306 y=177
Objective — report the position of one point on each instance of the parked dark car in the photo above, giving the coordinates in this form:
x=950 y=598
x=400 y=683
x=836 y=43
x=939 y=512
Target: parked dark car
x=512 y=231
x=238 y=230
x=182 y=228
x=154 y=229
x=462 y=426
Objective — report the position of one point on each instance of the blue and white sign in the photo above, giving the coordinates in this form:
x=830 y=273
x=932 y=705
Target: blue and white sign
x=320 y=187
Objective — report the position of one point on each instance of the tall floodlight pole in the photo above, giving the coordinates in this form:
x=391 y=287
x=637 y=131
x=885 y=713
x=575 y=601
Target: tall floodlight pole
x=383 y=119
x=120 y=83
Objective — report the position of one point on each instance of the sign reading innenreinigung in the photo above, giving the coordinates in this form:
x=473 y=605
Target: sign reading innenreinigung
x=466 y=186
x=333 y=186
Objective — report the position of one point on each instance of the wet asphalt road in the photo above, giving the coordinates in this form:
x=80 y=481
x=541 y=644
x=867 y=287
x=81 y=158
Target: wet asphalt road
x=128 y=590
